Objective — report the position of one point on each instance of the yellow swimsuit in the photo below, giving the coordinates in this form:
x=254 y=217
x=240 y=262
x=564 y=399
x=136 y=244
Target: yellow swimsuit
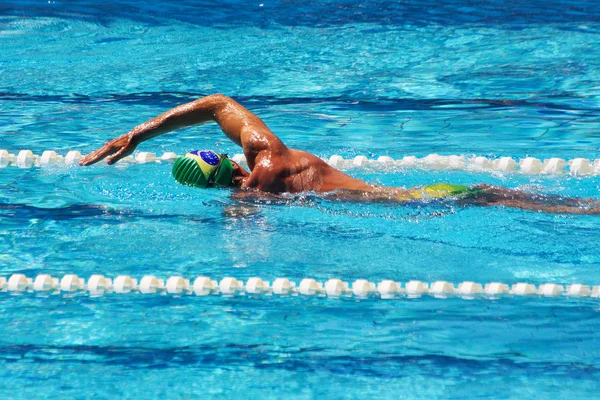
x=438 y=191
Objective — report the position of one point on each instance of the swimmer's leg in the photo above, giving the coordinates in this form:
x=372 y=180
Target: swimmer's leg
x=487 y=195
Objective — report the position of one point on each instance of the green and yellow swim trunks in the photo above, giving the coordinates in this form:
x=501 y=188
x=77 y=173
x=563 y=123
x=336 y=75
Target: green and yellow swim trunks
x=439 y=191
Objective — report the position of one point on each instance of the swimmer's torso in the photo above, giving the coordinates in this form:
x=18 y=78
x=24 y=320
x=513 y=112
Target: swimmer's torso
x=297 y=171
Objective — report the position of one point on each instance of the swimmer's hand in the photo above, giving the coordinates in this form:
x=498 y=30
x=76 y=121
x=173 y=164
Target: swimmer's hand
x=115 y=150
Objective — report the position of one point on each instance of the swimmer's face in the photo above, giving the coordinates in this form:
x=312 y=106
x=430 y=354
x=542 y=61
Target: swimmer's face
x=238 y=174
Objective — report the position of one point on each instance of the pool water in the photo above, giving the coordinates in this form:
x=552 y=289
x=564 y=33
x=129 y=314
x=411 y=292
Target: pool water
x=372 y=78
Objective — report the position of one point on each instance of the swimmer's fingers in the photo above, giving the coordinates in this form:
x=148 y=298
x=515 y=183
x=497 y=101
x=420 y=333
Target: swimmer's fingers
x=96 y=156
x=103 y=152
x=112 y=147
x=124 y=152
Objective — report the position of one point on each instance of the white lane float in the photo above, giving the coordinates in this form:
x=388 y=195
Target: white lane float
x=577 y=167
x=99 y=285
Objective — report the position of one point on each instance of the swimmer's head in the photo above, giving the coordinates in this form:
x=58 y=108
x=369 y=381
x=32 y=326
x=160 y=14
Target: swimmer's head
x=204 y=168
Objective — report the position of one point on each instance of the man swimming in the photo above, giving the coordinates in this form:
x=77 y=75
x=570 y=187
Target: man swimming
x=276 y=168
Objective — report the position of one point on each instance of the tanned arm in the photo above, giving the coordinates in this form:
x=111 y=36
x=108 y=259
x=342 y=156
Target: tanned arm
x=240 y=125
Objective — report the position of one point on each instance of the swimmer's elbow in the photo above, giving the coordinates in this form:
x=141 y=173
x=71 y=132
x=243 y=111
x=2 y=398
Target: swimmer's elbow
x=207 y=106
x=217 y=96
x=218 y=99
x=213 y=103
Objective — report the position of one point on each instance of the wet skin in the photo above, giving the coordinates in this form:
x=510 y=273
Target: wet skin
x=276 y=168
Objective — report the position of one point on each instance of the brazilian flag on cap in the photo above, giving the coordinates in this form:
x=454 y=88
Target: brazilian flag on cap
x=203 y=168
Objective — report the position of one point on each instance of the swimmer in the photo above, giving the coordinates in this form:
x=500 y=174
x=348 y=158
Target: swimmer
x=276 y=168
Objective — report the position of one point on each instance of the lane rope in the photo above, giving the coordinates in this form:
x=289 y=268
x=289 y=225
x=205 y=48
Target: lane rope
x=527 y=165
x=99 y=285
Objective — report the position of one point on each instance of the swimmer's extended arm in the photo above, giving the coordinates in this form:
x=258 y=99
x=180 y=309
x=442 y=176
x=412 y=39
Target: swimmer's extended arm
x=240 y=125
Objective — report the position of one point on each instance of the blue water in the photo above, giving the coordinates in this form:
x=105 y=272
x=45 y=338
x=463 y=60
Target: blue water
x=376 y=78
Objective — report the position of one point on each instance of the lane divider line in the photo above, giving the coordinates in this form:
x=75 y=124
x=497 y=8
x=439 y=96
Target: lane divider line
x=433 y=162
x=99 y=285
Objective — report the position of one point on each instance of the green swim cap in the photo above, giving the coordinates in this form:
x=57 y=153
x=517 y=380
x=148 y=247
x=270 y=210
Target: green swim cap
x=203 y=168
